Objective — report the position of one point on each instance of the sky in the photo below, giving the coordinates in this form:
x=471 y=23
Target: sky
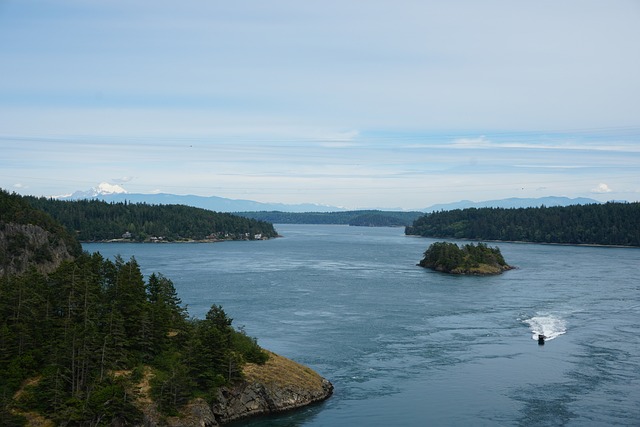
x=357 y=104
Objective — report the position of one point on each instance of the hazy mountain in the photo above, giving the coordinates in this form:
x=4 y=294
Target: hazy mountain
x=115 y=193
x=513 y=202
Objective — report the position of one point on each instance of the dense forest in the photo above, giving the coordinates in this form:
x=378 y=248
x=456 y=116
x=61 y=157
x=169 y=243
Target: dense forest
x=369 y=218
x=95 y=220
x=473 y=259
x=599 y=224
x=75 y=343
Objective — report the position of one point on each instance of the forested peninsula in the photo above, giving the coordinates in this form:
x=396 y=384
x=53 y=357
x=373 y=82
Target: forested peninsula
x=87 y=341
x=610 y=223
x=96 y=220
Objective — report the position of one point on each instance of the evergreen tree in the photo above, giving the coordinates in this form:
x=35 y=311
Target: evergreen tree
x=167 y=316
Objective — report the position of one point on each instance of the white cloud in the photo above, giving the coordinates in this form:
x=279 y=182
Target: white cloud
x=601 y=188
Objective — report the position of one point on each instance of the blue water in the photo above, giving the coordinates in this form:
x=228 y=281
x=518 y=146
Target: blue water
x=410 y=347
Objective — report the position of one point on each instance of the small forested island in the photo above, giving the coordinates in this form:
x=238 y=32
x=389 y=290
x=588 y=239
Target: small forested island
x=96 y=220
x=87 y=341
x=613 y=224
x=468 y=259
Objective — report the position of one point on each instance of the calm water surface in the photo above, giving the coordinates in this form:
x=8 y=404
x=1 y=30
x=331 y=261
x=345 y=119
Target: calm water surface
x=410 y=347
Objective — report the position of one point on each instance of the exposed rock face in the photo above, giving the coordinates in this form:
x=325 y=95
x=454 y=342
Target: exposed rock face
x=250 y=399
x=26 y=245
x=196 y=414
x=279 y=385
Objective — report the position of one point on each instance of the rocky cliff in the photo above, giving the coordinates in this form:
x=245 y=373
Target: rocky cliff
x=279 y=385
x=28 y=245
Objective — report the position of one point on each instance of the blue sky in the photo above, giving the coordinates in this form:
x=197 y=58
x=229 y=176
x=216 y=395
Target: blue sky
x=357 y=104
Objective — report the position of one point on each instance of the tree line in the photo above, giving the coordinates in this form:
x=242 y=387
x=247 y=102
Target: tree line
x=599 y=224
x=96 y=220
x=375 y=218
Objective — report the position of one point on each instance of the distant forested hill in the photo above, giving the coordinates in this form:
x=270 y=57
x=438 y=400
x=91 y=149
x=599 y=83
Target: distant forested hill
x=369 y=218
x=95 y=220
x=598 y=224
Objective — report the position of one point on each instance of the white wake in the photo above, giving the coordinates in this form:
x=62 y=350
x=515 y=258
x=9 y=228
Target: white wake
x=549 y=325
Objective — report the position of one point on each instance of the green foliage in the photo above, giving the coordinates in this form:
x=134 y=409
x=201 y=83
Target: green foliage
x=166 y=314
x=468 y=259
x=600 y=224
x=8 y=418
x=223 y=349
x=248 y=347
x=111 y=402
x=96 y=220
x=173 y=383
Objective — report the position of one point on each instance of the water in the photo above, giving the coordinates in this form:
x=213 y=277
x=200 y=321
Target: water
x=407 y=346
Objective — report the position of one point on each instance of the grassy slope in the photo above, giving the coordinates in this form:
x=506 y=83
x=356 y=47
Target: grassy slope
x=282 y=372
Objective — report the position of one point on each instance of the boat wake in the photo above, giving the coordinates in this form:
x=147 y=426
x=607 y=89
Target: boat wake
x=549 y=325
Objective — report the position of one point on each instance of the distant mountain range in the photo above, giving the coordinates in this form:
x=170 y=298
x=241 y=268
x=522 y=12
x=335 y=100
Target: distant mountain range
x=115 y=193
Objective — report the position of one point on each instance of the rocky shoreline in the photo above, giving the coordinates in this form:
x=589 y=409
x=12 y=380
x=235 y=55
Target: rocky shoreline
x=278 y=385
x=480 y=270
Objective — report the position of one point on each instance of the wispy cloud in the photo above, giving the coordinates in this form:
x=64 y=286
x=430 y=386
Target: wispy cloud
x=601 y=189
x=479 y=142
x=563 y=142
x=122 y=180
